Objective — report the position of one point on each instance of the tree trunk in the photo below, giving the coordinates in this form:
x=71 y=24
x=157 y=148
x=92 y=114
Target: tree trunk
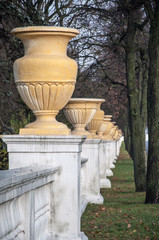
x=137 y=124
x=127 y=136
x=152 y=180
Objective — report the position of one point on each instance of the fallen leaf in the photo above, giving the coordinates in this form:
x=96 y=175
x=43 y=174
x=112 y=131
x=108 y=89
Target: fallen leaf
x=129 y=225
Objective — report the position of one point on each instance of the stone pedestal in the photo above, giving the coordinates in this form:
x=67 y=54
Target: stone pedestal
x=91 y=188
x=57 y=151
x=109 y=172
x=119 y=142
x=103 y=163
x=112 y=153
x=115 y=151
x=84 y=200
x=118 y=147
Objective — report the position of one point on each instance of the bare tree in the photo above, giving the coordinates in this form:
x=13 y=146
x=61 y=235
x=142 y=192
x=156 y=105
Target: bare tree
x=152 y=183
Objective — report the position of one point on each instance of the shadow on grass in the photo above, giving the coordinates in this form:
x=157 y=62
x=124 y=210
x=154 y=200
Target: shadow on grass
x=125 y=162
x=125 y=203
x=122 y=180
x=131 y=203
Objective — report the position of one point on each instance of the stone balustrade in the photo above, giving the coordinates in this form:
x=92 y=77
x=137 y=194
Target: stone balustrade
x=48 y=202
x=25 y=203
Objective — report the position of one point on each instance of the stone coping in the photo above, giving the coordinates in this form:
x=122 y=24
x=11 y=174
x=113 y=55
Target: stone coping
x=84 y=100
x=92 y=141
x=46 y=138
x=16 y=182
x=45 y=144
x=105 y=141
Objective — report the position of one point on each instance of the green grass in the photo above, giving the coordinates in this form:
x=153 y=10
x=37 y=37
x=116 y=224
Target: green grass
x=123 y=215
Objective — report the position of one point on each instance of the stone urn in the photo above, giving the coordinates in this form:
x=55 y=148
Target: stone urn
x=107 y=132
x=45 y=76
x=102 y=129
x=112 y=133
x=94 y=125
x=120 y=133
x=79 y=112
x=116 y=133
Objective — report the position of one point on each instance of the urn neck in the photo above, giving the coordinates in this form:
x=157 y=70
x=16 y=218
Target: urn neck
x=46 y=45
x=45 y=40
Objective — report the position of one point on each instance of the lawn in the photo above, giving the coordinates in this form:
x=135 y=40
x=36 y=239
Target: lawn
x=123 y=215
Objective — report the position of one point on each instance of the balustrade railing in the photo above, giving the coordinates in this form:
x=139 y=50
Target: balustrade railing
x=25 y=203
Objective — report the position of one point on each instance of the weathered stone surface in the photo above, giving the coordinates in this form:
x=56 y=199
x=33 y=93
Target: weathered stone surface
x=25 y=203
x=91 y=179
x=62 y=151
x=103 y=164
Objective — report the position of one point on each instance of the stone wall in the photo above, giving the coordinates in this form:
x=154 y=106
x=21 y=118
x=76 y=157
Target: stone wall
x=47 y=201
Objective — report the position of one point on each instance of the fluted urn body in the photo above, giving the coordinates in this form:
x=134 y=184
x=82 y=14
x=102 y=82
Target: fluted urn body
x=45 y=76
x=102 y=129
x=94 y=125
x=79 y=112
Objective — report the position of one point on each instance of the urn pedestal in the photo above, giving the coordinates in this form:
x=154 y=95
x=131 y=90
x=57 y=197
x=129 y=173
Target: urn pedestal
x=91 y=177
x=45 y=76
x=104 y=164
x=109 y=142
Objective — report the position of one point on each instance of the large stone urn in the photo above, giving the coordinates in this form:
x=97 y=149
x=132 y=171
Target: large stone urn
x=45 y=76
x=79 y=112
x=94 y=125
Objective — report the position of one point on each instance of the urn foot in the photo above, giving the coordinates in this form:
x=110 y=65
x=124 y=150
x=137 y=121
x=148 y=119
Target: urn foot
x=39 y=131
x=45 y=124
